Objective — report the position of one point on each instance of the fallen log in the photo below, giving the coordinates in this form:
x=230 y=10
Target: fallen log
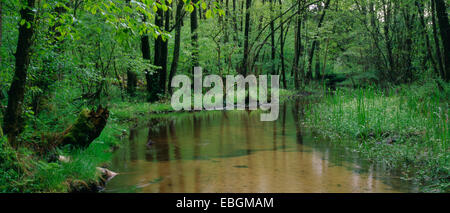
x=88 y=126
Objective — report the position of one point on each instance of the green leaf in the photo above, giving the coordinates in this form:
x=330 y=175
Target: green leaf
x=221 y=12
x=190 y=8
x=208 y=14
x=22 y=22
x=204 y=5
x=155 y=8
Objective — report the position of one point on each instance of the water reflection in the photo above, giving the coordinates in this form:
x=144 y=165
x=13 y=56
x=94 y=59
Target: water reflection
x=232 y=151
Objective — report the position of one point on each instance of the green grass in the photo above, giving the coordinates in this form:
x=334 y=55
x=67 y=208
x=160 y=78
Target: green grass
x=405 y=128
x=24 y=171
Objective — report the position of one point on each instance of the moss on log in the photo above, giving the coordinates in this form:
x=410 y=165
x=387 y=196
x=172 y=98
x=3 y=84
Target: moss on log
x=88 y=126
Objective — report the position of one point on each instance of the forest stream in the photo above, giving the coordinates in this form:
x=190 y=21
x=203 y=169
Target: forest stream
x=233 y=151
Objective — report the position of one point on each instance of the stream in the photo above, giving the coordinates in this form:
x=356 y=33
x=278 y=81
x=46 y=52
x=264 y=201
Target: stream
x=233 y=151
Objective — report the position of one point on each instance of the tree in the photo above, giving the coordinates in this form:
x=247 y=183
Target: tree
x=297 y=46
x=132 y=75
x=246 y=37
x=194 y=37
x=145 y=48
x=436 y=39
x=272 y=37
x=176 y=50
x=441 y=12
x=1 y=27
x=282 y=42
x=314 y=43
x=424 y=32
x=13 y=116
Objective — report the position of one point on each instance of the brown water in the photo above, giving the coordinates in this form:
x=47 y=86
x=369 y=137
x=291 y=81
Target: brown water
x=233 y=151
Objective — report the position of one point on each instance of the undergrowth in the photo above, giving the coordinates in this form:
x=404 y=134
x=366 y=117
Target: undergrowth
x=405 y=128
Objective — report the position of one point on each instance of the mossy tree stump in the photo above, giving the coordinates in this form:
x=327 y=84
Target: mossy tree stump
x=88 y=126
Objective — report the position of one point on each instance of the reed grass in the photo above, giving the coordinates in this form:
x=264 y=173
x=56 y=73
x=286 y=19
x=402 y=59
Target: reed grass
x=405 y=128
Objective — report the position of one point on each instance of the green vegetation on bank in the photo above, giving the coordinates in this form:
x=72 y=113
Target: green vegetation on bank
x=24 y=170
x=405 y=128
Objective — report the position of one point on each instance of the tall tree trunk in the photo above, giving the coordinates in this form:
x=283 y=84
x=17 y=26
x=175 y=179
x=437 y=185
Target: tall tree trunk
x=376 y=41
x=297 y=47
x=313 y=46
x=426 y=37
x=235 y=27
x=132 y=75
x=246 y=38
x=272 y=37
x=227 y=17
x=13 y=122
x=387 y=12
x=436 y=39
x=159 y=57
x=176 y=49
x=283 y=70
x=165 y=52
x=317 y=59
x=1 y=27
x=444 y=26
x=324 y=67
x=145 y=48
x=194 y=37
x=406 y=42
x=241 y=15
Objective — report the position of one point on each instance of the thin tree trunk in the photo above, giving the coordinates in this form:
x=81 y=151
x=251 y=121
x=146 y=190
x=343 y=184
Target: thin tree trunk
x=131 y=75
x=317 y=59
x=194 y=37
x=159 y=57
x=376 y=34
x=436 y=39
x=444 y=26
x=387 y=14
x=272 y=37
x=145 y=48
x=426 y=37
x=235 y=27
x=241 y=16
x=227 y=17
x=283 y=70
x=176 y=49
x=246 y=38
x=297 y=48
x=324 y=67
x=13 y=122
x=1 y=27
x=409 y=20
x=313 y=46
x=165 y=52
